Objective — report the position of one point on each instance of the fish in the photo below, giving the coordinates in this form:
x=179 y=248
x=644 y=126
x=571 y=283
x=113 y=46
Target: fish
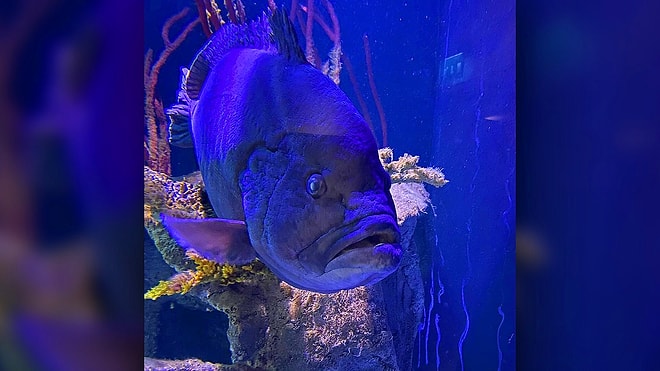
x=290 y=167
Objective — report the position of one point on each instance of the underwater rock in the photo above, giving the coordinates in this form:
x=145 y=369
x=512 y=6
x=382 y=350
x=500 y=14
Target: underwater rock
x=276 y=326
x=152 y=364
x=181 y=198
x=405 y=308
x=273 y=325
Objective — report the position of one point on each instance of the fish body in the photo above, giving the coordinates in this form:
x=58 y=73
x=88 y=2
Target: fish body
x=290 y=166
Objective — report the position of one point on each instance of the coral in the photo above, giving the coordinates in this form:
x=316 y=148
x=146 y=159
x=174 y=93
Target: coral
x=273 y=325
x=410 y=199
x=406 y=170
x=276 y=326
x=180 y=283
x=374 y=91
x=405 y=305
x=310 y=49
x=331 y=67
x=151 y=364
x=184 y=198
x=240 y=11
x=231 y=11
x=206 y=271
x=209 y=14
x=155 y=143
x=341 y=322
x=356 y=89
x=203 y=17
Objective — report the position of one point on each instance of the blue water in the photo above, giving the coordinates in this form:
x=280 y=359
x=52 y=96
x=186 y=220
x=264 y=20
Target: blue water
x=462 y=122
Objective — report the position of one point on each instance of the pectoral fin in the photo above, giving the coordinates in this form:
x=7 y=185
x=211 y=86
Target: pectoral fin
x=220 y=240
x=179 y=116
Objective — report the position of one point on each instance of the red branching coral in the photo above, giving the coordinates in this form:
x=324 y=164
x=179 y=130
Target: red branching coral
x=204 y=19
x=155 y=143
x=332 y=67
x=356 y=89
x=374 y=91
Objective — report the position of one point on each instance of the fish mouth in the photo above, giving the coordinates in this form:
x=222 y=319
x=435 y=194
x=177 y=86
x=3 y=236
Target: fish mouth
x=370 y=244
x=365 y=250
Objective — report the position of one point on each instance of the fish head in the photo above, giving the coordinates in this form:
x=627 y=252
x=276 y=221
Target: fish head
x=318 y=206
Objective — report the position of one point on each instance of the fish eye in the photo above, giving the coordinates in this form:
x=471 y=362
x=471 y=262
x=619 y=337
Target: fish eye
x=316 y=185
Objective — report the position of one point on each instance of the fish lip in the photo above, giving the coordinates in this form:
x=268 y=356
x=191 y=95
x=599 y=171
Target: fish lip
x=316 y=258
x=382 y=259
x=384 y=234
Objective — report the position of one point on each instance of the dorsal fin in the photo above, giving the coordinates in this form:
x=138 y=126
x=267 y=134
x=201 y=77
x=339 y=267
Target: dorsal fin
x=255 y=35
x=285 y=37
x=275 y=34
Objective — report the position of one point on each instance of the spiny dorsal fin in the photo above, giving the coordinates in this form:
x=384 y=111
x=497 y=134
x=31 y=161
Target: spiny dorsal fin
x=274 y=33
x=254 y=35
x=285 y=37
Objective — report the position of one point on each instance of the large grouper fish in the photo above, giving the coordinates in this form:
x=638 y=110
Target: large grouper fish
x=290 y=167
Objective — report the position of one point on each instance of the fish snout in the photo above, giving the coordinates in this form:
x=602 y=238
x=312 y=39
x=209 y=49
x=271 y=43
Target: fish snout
x=371 y=244
x=377 y=249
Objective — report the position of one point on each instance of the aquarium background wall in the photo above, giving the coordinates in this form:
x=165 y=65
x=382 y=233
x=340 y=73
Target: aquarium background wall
x=470 y=316
x=445 y=75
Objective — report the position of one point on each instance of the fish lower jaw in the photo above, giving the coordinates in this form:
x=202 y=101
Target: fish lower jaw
x=379 y=257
